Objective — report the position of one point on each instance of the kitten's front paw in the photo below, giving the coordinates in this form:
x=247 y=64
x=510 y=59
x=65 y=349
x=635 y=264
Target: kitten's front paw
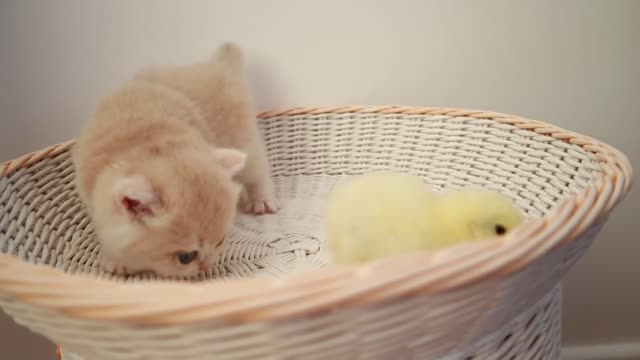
x=113 y=267
x=261 y=207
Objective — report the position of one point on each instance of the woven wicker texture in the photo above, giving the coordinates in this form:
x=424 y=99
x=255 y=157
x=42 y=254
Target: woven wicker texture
x=495 y=299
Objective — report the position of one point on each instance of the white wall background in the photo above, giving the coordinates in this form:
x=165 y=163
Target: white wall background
x=573 y=63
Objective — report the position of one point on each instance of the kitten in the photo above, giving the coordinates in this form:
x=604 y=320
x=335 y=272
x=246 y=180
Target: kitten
x=158 y=166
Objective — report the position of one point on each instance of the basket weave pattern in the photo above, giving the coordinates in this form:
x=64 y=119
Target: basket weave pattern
x=487 y=300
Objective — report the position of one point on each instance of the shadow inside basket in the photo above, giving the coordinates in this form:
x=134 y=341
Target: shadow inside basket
x=42 y=220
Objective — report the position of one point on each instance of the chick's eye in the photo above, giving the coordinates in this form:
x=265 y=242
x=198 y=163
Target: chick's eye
x=186 y=257
x=500 y=229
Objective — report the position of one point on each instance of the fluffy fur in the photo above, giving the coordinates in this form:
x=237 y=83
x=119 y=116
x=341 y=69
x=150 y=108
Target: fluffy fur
x=382 y=214
x=158 y=165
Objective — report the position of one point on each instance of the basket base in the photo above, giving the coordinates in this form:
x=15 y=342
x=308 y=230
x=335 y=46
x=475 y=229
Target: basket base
x=66 y=356
x=535 y=332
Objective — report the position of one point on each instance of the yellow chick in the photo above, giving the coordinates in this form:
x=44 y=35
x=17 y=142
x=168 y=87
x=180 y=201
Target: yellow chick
x=383 y=214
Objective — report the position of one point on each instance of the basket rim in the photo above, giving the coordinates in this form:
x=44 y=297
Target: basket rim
x=87 y=297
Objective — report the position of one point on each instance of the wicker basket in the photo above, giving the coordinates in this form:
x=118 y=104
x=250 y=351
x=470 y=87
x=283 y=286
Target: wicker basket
x=486 y=300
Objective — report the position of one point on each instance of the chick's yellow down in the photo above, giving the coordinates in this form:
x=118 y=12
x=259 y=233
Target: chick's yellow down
x=383 y=214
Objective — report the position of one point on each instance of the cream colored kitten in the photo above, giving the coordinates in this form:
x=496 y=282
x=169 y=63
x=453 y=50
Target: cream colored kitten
x=157 y=165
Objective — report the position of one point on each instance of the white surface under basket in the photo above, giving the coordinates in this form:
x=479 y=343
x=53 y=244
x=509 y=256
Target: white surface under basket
x=490 y=300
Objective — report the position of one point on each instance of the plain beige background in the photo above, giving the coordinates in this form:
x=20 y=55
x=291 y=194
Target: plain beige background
x=573 y=63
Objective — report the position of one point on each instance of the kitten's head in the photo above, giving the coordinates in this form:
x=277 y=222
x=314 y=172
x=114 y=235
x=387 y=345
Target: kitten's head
x=170 y=215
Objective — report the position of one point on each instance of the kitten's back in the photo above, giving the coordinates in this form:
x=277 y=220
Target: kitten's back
x=219 y=89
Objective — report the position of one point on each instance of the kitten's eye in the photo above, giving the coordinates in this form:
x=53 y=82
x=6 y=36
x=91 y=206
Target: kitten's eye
x=500 y=229
x=187 y=257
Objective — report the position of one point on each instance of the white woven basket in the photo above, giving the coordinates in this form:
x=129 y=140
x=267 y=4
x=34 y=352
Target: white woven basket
x=487 y=300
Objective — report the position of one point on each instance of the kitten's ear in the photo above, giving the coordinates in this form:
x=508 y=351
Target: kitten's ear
x=229 y=159
x=135 y=196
